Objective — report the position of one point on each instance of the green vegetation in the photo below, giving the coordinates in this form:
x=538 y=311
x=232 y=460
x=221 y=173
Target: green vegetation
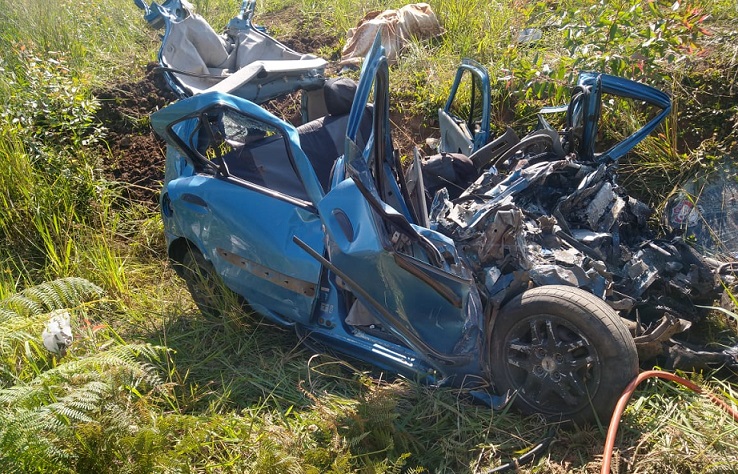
x=150 y=385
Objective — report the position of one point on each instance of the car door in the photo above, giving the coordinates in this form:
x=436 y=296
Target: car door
x=584 y=112
x=464 y=120
x=246 y=189
x=410 y=277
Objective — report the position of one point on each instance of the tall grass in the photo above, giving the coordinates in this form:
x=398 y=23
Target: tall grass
x=103 y=40
x=17 y=181
x=37 y=225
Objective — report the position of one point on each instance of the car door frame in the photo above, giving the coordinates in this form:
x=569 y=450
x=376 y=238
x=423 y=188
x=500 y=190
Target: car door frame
x=356 y=214
x=454 y=138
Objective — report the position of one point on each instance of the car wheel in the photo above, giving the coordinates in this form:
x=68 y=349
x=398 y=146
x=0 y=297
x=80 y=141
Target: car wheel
x=563 y=352
x=207 y=289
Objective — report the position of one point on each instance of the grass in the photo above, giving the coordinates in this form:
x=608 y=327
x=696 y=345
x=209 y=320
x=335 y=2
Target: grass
x=103 y=40
x=150 y=385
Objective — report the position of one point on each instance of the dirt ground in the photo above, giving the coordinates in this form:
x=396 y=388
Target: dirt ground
x=136 y=155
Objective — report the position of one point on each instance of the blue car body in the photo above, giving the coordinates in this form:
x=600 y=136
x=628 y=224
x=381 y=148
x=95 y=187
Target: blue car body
x=259 y=238
x=469 y=133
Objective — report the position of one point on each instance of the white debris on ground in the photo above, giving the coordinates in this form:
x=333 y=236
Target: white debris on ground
x=57 y=335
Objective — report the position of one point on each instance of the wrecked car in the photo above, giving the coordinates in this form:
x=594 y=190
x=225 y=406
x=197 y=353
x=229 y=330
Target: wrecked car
x=511 y=267
x=322 y=234
x=243 y=60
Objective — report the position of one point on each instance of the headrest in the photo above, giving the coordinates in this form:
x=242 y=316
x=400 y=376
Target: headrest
x=339 y=95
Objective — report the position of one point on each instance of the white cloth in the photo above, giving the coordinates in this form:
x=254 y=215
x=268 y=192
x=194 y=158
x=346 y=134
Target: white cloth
x=397 y=28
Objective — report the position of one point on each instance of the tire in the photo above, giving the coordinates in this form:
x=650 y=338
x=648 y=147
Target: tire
x=208 y=291
x=563 y=352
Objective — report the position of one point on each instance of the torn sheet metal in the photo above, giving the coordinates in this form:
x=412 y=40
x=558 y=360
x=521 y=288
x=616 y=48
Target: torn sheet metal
x=682 y=355
x=576 y=217
x=244 y=60
x=548 y=214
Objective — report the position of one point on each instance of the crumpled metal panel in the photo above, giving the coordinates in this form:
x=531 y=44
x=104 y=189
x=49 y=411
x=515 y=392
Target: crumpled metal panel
x=541 y=218
x=244 y=59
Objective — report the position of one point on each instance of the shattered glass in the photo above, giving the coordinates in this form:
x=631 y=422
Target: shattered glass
x=705 y=211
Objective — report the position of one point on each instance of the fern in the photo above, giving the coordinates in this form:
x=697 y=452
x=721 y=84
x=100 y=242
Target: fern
x=48 y=296
x=45 y=402
x=21 y=351
x=94 y=390
x=119 y=364
x=6 y=314
x=40 y=453
x=22 y=318
x=394 y=467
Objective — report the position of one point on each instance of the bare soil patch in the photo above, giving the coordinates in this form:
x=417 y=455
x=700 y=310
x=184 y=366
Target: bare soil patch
x=302 y=33
x=136 y=154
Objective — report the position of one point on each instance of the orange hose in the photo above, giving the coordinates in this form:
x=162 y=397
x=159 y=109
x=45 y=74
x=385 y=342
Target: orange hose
x=625 y=397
